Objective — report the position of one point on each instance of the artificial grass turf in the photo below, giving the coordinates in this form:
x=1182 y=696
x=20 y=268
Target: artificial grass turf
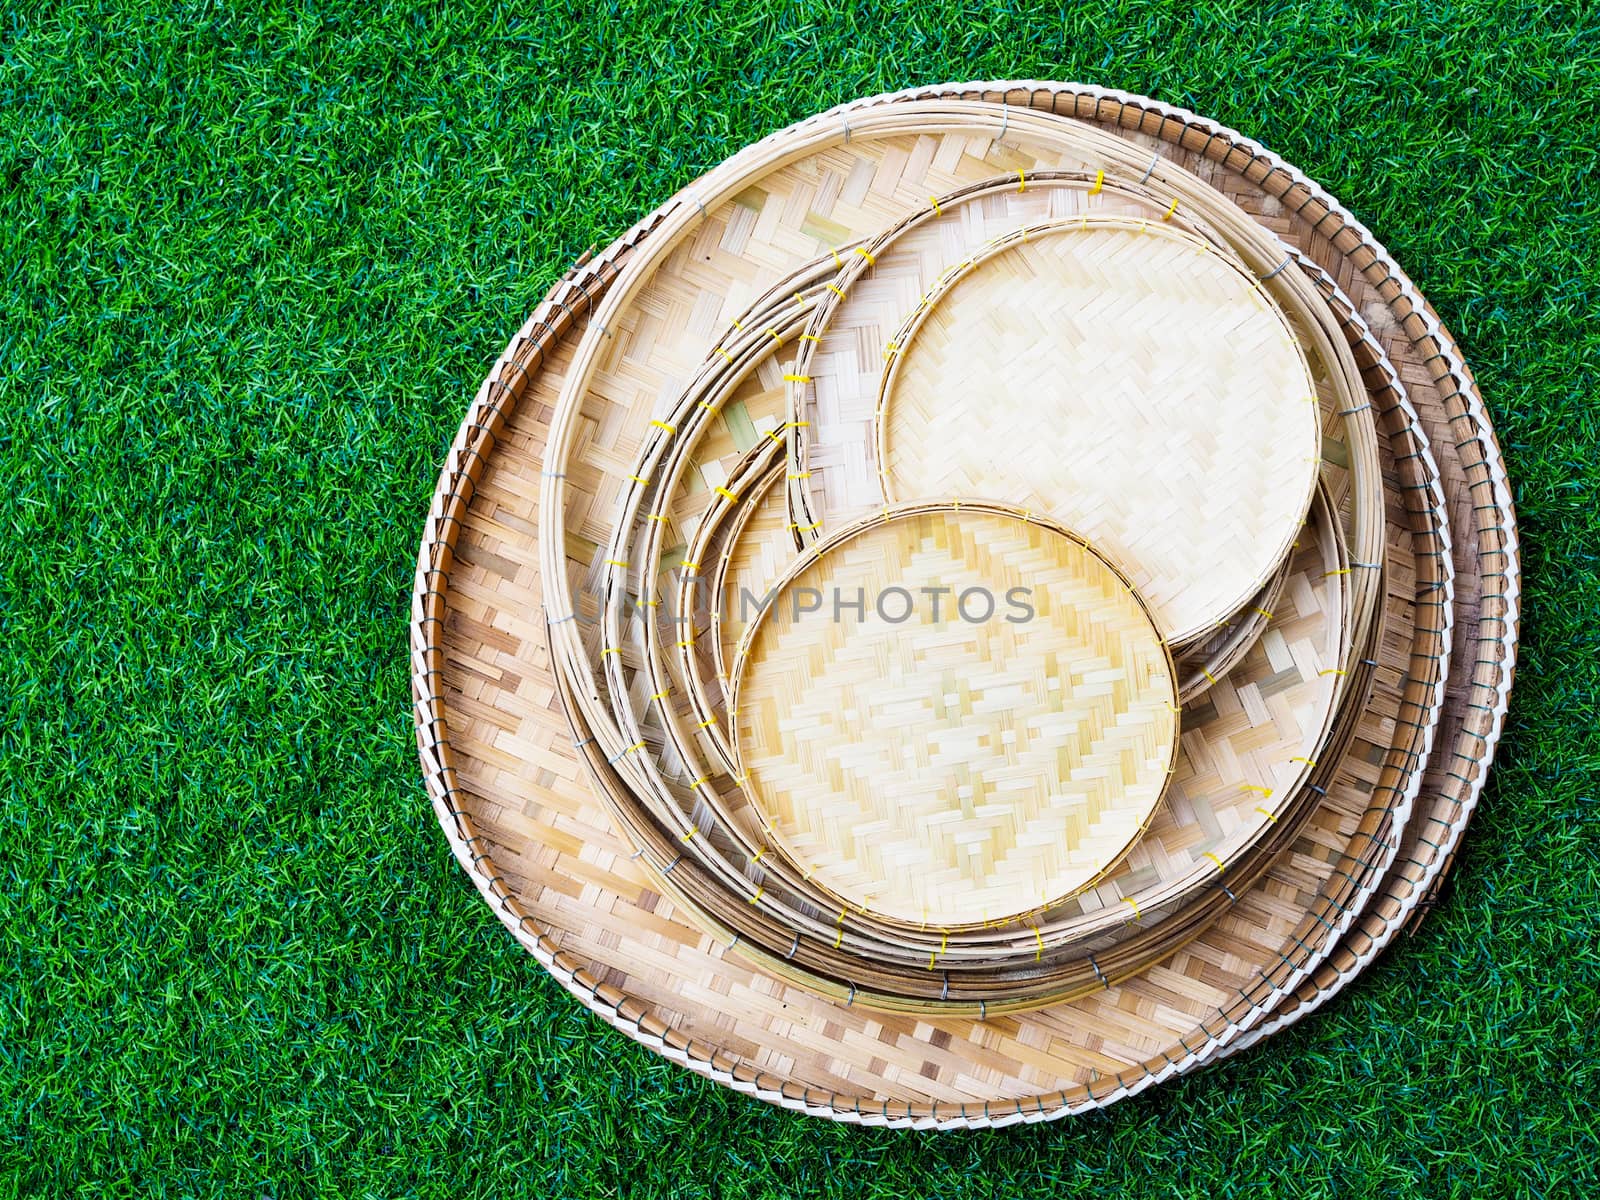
x=254 y=269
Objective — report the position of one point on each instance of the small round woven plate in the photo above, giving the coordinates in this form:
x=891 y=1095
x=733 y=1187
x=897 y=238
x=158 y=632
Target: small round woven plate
x=952 y=716
x=1129 y=381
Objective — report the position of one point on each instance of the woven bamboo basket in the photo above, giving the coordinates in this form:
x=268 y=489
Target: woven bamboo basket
x=776 y=966
x=459 y=603
x=947 y=951
x=1161 y=374
x=620 y=742
x=1181 y=434
x=634 y=740
x=835 y=470
x=655 y=684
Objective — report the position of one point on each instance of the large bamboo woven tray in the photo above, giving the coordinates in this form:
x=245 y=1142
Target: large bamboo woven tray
x=960 y=763
x=1020 y=1109
x=1321 y=922
x=468 y=780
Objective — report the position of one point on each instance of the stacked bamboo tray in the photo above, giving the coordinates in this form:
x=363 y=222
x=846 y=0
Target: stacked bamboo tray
x=994 y=596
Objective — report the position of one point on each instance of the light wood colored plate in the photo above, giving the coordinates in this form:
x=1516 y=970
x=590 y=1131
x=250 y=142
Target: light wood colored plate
x=835 y=472
x=1126 y=380
x=985 y=735
x=515 y=815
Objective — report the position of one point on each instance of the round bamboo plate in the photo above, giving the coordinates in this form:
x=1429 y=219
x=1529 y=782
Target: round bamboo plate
x=963 y=762
x=836 y=467
x=834 y=476
x=1216 y=811
x=690 y=837
x=782 y=967
x=1119 y=377
x=478 y=668
x=1239 y=775
x=621 y=742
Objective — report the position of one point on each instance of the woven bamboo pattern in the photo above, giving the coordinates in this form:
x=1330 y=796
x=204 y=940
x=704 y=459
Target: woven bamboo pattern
x=835 y=465
x=1118 y=967
x=1124 y=380
x=1090 y=970
x=835 y=477
x=1098 y=1060
x=963 y=765
x=488 y=768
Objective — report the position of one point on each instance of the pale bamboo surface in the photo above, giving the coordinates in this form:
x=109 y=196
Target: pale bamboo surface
x=1486 y=549
x=1123 y=379
x=684 y=817
x=755 y=551
x=1245 y=758
x=1099 y=971
x=987 y=735
x=1051 y=935
x=837 y=470
x=836 y=390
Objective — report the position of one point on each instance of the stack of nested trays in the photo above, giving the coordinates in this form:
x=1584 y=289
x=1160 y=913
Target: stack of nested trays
x=951 y=619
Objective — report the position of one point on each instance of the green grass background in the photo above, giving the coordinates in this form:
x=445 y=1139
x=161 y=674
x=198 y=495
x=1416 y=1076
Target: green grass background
x=253 y=269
